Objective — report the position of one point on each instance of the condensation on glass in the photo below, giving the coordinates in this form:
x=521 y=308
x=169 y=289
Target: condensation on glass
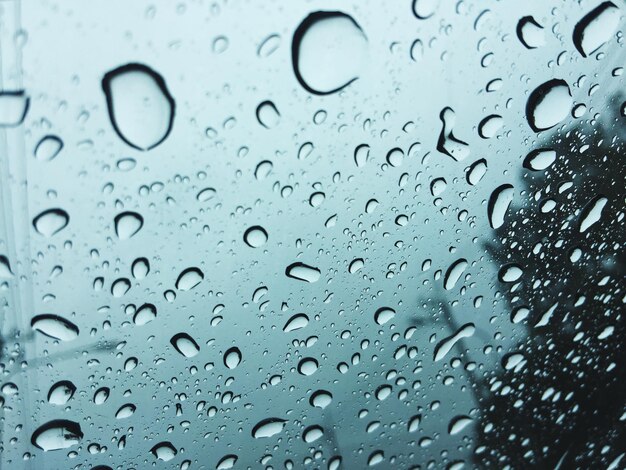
x=319 y=235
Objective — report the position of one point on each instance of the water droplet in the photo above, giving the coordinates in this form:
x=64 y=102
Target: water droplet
x=125 y=411
x=476 y=171
x=101 y=395
x=458 y=423
x=424 y=9
x=51 y=221
x=308 y=366
x=120 y=287
x=263 y=170
x=383 y=392
x=232 y=357
x=140 y=106
x=312 y=433
x=356 y=265
x=303 y=272
x=255 y=236
x=145 y=314
x=5 y=268
x=48 y=148
x=321 y=399
x=592 y=213
x=61 y=392
x=361 y=155
x=510 y=272
x=548 y=105
x=375 y=458
x=530 y=33
x=269 y=45
x=445 y=345
x=539 y=159
x=189 y=278
x=13 y=108
x=395 y=157
x=448 y=144
x=438 y=186
x=268 y=427
x=453 y=274
x=520 y=314
x=55 y=327
x=57 y=434
x=267 y=114
x=226 y=462
x=499 y=203
x=383 y=315
x=164 y=451
x=140 y=268
x=329 y=51
x=305 y=150
x=414 y=423
x=596 y=28
x=185 y=344
x=206 y=194
x=514 y=361
x=417 y=50
x=296 y=322
x=490 y=126
x=127 y=224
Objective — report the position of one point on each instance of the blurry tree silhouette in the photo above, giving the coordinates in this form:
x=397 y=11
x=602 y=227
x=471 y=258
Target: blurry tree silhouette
x=566 y=408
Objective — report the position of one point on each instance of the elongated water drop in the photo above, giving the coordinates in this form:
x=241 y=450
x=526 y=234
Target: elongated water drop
x=476 y=171
x=227 y=462
x=48 y=148
x=55 y=327
x=458 y=423
x=499 y=203
x=303 y=272
x=57 y=434
x=448 y=143
x=591 y=213
x=596 y=28
x=268 y=427
x=445 y=345
x=296 y=322
x=13 y=108
x=61 y=392
x=530 y=33
x=185 y=344
x=164 y=451
x=453 y=273
x=539 y=159
x=189 y=278
x=140 y=106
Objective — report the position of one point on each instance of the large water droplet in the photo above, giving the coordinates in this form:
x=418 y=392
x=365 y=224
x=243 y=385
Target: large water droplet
x=490 y=126
x=268 y=427
x=592 y=213
x=312 y=433
x=361 y=155
x=329 y=51
x=125 y=411
x=185 y=344
x=548 y=104
x=321 y=399
x=303 y=272
x=51 y=221
x=5 y=268
x=453 y=274
x=255 y=236
x=424 y=9
x=145 y=314
x=476 y=171
x=232 y=357
x=530 y=33
x=296 y=322
x=458 y=423
x=127 y=224
x=57 y=434
x=308 y=366
x=164 y=451
x=101 y=395
x=596 y=28
x=55 y=327
x=140 y=268
x=227 y=462
x=383 y=315
x=61 y=392
x=140 y=106
x=499 y=203
x=267 y=114
x=13 y=108
x=445 y=345
x=189 y=278
x=48 y=148
x=539 y=159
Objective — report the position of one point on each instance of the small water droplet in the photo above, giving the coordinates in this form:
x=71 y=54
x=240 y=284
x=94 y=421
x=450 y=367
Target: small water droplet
x=269 y=45
x=591 y=213
x=51 y=221
x=48 y=148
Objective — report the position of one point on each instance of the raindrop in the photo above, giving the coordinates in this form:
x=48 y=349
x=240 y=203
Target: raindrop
x=61 y=392
x=458 y=423
x=206 y=194
x=375 y=458
x=145 y=314
x=548 y=105
x=268 y=427
x=383 y=315
x=383 y=392
x=268 y=46
x=5 y=268
x=445 y=345
x=499 y=203
x=51 y=221
x=476 y=171
x=514 y=361
x=101 y=395
x=303 y=272
x=263 y=170
x=140 y=268
x=232 y=357
x=185 y=344
x=13 y=108
x=453 y=274
x=189 y=278
x=591 y=213
x=490 y=126
x=448 y=144
x=140 y=106
x=226 y=462
x=125 y=411
x=321 y=399
x=596 y=28
x=361 y=155
x=267 y=114
x=312 y=433
x=438 y=186
x=395 y=157
x=55 y=327
x=424 y=9
x=120 y=287
x=329 y=51
x=57 y=434
x=539 y=159
x=255 y=236
x=164 y=451
x=127 y=224
x=530 y=33
x=356 y=265
x=316 y=199
x=308 y=366
x=296 y=322
x=510 y=272
x=48 y=148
